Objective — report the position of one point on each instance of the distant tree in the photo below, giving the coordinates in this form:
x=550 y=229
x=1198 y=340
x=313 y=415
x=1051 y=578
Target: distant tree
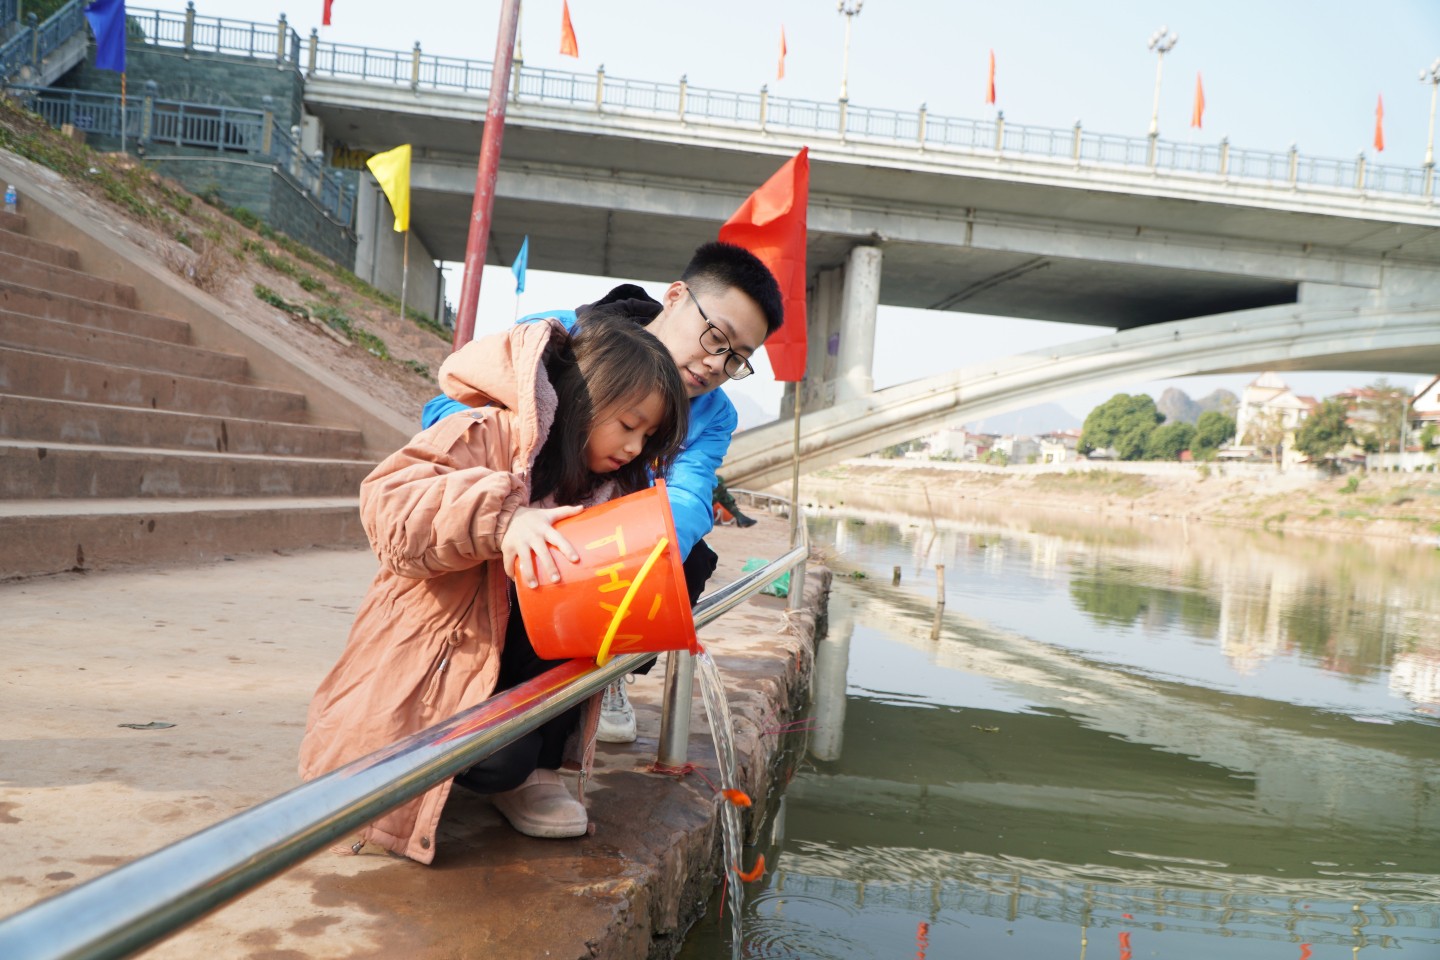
x=1325 y=432
x=1428 y=436
x=998 y=458
x=1381 y=417
x=1267 y=432
x=1165 y=443
x=1211 y=430
x=1124 y=423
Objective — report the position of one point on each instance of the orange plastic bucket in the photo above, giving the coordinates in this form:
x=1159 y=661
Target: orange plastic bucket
x=626 y=595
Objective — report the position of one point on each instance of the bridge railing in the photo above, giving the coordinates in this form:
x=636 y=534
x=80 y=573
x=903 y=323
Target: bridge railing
x=150 y=120
x=33 y=43
x=760 y=111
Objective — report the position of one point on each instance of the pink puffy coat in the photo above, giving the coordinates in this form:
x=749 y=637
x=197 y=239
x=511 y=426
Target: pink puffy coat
x=426 y=641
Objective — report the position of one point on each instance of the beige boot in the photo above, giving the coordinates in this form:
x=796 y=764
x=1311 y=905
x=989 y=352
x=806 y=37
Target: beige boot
x=543 y=807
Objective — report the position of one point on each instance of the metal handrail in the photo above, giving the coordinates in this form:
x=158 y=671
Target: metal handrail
x=30 y=47
x=136 y=905
x=681 y=102
x=197 y=125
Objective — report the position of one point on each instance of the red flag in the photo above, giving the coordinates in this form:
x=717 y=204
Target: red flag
x=1380 y=124
x=990 y=81
x=781 y=74
x=568 y=46
x=1197 y=115
x=771 y=225
x=325 y=20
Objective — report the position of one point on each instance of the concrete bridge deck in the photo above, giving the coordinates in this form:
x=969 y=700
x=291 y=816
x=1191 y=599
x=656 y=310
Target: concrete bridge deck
x=229 y=653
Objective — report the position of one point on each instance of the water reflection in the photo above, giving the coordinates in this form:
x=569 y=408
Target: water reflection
x=1130 y=738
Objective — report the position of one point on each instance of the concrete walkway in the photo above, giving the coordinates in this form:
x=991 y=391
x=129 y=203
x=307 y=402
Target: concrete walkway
x=230 y=653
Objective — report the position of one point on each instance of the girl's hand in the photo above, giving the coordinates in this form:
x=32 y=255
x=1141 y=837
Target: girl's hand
x=530 y=535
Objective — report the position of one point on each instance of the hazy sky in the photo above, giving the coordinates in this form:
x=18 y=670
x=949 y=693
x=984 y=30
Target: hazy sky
x=1276 y=72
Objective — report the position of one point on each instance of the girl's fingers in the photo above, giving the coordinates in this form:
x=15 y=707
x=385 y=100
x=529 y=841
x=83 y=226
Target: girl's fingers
x=524 y=569
x=545 y=564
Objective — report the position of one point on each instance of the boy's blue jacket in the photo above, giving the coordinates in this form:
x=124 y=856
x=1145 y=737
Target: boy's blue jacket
x=691 y=480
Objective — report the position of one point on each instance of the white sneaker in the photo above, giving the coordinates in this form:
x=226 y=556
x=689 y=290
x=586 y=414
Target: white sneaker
x=543 y=807
x=617 y=717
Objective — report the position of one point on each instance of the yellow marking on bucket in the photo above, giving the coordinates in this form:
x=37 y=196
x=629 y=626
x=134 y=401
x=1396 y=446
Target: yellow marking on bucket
x=604 y=654
x=618 y=539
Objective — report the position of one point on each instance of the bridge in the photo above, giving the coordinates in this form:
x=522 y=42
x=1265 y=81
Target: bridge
x=1203 y=258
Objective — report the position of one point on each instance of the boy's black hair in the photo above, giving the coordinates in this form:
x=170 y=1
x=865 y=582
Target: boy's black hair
x=718 y=266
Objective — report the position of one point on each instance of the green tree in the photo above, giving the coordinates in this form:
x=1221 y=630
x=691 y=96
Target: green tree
x=1267 y=432
x=1428 y=437
x=1124 y=423
x=1166 y=442
x=1381 y=417
x=1325 y=432
x=1211 y=431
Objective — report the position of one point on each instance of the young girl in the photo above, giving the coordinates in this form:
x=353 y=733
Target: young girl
x=560 y=422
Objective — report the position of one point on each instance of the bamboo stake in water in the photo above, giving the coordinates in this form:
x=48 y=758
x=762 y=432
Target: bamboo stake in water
x=939 y=601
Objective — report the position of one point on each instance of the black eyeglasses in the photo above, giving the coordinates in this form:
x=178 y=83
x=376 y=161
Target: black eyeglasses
x=715 y=343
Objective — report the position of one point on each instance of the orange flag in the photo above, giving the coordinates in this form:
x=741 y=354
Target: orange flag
x=781 y=74
x=771 y=225
x=1380 y=124
x=568 y=46
x=1197 y=115
x=990 y=82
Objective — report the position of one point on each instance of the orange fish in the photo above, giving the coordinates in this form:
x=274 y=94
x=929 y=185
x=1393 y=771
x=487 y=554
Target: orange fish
x=755 y=871
x=738 y=797
x=1304 y=951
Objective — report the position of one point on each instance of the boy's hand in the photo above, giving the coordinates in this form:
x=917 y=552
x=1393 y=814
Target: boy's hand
x=525 y=548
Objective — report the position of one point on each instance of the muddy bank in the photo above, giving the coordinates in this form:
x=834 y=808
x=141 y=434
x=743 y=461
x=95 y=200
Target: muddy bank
x=1404 y=506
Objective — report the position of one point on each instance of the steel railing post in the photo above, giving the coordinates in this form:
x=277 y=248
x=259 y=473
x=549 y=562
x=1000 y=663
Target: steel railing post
x=844 y=110
x=600 y=87
x=1360 y=172
x=684 y=88
x=1224 y=156
x=920 y=126
x=189 y=35
x=675 y=709
x=1075 y=143
x=1294 y=165
x=281 y=28
x=764 y=106
x=415 y=67
x=312 y=52
x=267 y=125
x=999 y=131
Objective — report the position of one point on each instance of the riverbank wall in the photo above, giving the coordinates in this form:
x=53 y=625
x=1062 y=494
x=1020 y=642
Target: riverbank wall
x=226 y=657
x=1402 y=506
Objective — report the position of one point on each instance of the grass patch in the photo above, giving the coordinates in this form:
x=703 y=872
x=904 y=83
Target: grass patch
x=1109 y=483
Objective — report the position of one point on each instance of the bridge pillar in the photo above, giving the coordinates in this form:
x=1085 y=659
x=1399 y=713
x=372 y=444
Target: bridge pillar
x=859 y=302
x=379 y=253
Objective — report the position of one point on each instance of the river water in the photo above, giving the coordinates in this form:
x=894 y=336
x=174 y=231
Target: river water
x=1127 y=739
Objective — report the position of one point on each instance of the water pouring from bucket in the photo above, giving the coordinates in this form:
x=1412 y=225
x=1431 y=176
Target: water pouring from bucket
x=626 y=594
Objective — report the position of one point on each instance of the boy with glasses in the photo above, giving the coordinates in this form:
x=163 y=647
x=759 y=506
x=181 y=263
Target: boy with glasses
x=720 y=311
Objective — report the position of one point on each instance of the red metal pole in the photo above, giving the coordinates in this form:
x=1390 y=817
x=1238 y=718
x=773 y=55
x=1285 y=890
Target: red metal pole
x=485 y=175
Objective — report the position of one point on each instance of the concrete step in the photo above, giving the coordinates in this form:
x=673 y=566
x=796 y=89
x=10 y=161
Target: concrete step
x=33 y=301
x=12 y=222
x=18 y=244
x=31 y=470
x=31 y=374
x=42 y=335
x=67 y=421
x=53 y=536
x=75 y=283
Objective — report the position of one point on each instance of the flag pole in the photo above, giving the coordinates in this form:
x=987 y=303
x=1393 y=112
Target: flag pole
x=489 y=166
x=122 y=111
x=404 y=273
x=795 y=471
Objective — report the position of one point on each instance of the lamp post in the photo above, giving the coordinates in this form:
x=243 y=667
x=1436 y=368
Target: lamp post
x=1162 y=41
x=849 y=11
x=1431 y=75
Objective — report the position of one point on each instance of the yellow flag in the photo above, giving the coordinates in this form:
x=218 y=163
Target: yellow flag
x=392 y=169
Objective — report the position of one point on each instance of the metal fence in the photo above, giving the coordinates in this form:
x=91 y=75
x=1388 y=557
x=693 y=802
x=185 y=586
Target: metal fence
x=32 y=44
x=142 y=902
x=150 y=121
x=759 y=111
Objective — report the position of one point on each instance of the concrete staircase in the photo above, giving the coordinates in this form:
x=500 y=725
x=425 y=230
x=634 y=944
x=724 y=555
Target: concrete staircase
x=121 y=443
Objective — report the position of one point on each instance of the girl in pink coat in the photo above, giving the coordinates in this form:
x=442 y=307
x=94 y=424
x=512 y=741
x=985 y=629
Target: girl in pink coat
x=558 y=422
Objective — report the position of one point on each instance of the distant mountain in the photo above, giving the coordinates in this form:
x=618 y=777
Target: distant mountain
x=1042 y=418
x=1177 y=406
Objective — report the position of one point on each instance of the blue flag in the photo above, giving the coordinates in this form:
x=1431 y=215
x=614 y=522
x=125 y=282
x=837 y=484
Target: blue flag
x=518 y=267
x=107 y=21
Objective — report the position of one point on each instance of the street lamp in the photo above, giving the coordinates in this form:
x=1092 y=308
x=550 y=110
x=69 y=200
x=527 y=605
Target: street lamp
x=850 y=11
x=1162 y=41
x=1431 y=75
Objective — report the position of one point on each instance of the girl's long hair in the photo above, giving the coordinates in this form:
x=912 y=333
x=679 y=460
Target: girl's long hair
x=608 y=360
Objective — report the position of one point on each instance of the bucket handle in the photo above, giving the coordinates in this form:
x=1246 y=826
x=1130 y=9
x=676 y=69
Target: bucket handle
x=604 y=654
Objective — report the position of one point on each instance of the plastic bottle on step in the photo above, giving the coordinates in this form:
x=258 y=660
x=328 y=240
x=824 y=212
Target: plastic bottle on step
x=12 y=199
